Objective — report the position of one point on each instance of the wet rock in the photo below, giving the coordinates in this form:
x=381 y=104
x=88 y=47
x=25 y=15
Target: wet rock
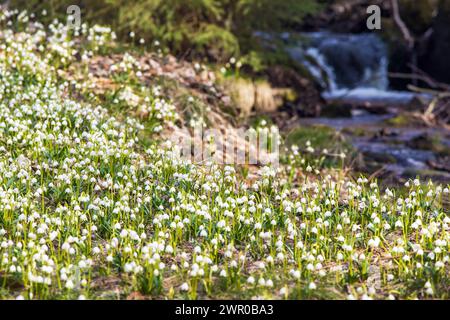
x=380 y=158
x=423 y=142
x=376 y=109
x=336 y=110
x=308 y=100
x=384 y=133
x=441 y=164
x=428 y=142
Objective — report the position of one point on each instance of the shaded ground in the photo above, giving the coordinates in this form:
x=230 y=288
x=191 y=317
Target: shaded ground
x=390 y=151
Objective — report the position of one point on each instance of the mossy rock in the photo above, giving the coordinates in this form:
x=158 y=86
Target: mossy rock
x=432 y=143
x=320 y=136
x=381 y=158
x=404 y=120
x=357 y=132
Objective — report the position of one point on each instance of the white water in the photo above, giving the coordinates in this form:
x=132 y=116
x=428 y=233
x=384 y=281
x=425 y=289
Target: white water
x=373 y=95
x=349 y=67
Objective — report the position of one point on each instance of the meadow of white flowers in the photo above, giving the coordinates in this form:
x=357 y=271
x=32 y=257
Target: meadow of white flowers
x=88 y=211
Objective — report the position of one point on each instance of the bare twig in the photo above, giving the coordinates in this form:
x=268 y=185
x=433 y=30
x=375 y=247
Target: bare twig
x=438 y=93
x=413 y=76
x=417 y=89
x=422 y=77
x=407 y=35
x=429 y=80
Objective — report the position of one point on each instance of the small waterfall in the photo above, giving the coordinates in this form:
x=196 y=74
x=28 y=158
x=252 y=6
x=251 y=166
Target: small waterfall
x=348 y=66
x=348 y=61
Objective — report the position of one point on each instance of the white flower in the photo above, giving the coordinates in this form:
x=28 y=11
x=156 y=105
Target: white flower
x=184 y=287
x=69 y=284
x=262 y=282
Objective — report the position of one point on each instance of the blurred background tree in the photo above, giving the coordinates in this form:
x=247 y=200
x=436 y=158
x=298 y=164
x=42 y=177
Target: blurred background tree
x=211 y=29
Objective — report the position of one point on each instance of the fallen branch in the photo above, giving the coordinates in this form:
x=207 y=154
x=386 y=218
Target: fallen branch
x=412 y=76
x=433 y=92
x=438 y=110
x=428 y=79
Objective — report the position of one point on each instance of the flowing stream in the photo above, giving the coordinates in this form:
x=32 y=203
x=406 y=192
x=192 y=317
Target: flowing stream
x=353 y=69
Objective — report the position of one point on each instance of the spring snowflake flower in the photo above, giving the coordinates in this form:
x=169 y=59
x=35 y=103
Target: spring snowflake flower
x=80 y=192
x=184 y=287
x=69 y=284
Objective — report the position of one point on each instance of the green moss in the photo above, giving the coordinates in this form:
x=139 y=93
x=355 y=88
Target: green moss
x=399 y=121
x=405 y=119
x=320 y=136
x=291 y=96
x=258 y=121
x=357 y=131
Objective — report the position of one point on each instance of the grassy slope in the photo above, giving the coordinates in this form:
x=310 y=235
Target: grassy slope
x=94 y=205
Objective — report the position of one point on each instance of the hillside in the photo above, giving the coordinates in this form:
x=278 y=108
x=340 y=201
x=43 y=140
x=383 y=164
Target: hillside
x=97 y=203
